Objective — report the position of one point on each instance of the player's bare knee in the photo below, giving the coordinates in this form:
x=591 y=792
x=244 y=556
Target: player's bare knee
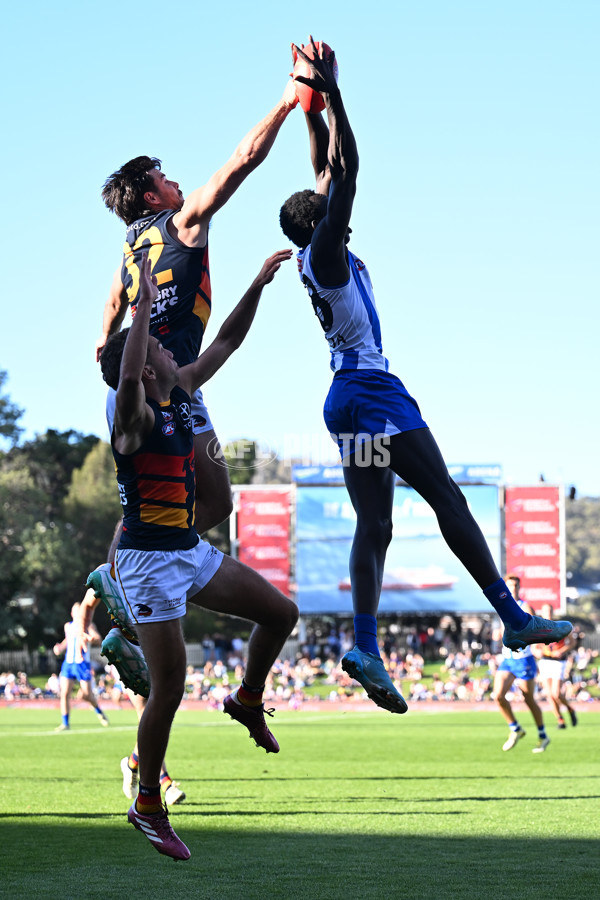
x=167 y=692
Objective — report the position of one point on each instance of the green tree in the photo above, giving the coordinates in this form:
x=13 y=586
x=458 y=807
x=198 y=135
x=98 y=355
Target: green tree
x=9 y=414
x=20 y=503
x=51 y=458
x=583 y=540
x=92 y=507
x=53 y=565
x=240 y=457
x=42 y=566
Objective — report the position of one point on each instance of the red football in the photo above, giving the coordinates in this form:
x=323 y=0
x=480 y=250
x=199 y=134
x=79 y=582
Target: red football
x=310 y=101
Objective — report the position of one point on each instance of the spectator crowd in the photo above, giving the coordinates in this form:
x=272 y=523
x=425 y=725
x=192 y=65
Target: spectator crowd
x=427 y=665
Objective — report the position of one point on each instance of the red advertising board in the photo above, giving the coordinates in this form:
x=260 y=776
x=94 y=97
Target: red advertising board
x=534 y=542
x=263 y=532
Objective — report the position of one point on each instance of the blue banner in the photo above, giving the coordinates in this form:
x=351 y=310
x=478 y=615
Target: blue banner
x=462 y=473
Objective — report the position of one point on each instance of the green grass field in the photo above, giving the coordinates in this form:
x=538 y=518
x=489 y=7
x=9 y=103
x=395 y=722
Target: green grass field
x=357 y=805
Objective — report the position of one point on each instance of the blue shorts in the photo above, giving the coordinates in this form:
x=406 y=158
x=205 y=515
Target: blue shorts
x=525 y=669
x=363 y=404
x=76 y=671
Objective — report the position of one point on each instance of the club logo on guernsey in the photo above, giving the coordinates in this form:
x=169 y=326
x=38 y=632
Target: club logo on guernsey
x=167 y=416
x=168 y=429
x=143 y=610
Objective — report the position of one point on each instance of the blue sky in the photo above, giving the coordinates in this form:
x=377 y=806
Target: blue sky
x=476 y=211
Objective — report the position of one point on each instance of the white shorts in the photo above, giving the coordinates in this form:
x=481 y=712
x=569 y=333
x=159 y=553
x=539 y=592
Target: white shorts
x=200 y=417
x=552 y=668
x=156 y=583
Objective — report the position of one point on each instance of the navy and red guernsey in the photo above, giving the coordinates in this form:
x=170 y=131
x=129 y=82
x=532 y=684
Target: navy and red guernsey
x=157 y=482
x=183 y=306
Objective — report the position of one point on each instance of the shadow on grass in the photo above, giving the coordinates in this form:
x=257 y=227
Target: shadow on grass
x=111 y=861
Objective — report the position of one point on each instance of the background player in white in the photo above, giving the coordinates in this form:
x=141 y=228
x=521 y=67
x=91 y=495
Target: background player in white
x=76 y=667
x=368 y=409
x=519 y=665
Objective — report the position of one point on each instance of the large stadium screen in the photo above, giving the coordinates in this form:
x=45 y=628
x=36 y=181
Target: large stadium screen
x=421 y=574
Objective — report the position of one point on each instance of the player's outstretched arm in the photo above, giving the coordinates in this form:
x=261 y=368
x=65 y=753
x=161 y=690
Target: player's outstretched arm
x=318 y=138
x=114 y=312
x=133 y=416
x=233 y=330
x=328 y=246
x=200 y=206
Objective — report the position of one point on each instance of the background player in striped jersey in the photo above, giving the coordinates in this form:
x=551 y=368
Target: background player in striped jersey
x=521 y=666
x=76 y=667
x=368 y=409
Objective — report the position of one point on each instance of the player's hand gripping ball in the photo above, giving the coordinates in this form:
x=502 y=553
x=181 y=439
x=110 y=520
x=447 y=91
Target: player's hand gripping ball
x=310 y=100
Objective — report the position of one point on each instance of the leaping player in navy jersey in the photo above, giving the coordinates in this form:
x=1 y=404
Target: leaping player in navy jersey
x=376 y=422
x=161 y=562
x=173 y=231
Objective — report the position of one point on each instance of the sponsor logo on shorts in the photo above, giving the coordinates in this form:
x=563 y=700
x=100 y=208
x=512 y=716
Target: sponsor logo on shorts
x=143 y=610
x=168 y=429
x=171 y=604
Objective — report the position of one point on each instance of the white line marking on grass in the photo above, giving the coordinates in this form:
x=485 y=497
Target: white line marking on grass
x=54 y=733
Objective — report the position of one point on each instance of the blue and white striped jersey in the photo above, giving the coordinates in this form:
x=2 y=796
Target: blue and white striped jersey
x=73 y=652
x=348 y=316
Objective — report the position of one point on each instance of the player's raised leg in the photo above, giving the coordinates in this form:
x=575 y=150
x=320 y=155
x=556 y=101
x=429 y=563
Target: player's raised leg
x=416 y=458
x=237 y=590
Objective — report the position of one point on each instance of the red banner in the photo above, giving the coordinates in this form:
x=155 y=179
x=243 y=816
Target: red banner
x=263 y=531
x=534 y=540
